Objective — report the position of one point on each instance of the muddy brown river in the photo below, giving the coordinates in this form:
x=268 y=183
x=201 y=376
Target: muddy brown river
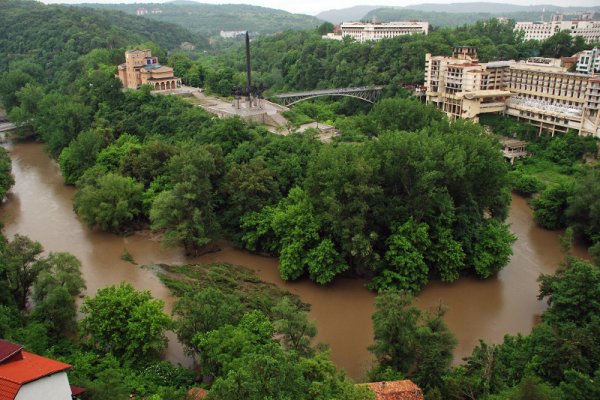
x=40 y=206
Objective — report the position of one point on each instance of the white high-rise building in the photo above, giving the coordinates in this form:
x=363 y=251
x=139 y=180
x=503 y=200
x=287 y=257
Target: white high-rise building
x=538 y=30
x=588 y=61
x=363 y=32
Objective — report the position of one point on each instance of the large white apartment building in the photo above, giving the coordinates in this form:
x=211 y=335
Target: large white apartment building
x=588 y=61
x=538 y=91
x=538 y=30
x=363 y=32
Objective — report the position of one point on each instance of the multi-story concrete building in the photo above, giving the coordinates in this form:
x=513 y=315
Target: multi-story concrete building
x=140 y=68
x=363 y=32
x=538 y=91
x=538 y=30
x=588 y=61
x=462 y=87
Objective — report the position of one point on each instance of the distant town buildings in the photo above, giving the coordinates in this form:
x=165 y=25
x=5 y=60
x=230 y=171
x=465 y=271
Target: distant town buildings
x=588 y=61
x=140 y=68
x=144 y=11
x=27 y=376
x=363 y=32
x=539 y=30
x=232 y=34
x=538 y=90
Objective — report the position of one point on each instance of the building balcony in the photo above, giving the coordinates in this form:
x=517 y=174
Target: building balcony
x=498 y=106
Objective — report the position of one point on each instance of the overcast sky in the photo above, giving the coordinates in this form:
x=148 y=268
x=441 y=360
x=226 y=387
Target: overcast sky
x=315 y=6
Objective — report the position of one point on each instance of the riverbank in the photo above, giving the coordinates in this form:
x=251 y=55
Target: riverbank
x=40 y=206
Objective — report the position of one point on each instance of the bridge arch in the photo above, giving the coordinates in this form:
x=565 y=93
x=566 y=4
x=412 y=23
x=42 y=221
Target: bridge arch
x=330 y=95
x=369 y=94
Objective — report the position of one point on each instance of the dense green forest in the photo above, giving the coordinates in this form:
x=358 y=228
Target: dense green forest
x=404 y=196
x=210 y=19
x=302 y=60
x=53 y=37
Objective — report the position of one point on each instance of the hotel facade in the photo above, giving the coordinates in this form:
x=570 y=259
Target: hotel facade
x=539 y=91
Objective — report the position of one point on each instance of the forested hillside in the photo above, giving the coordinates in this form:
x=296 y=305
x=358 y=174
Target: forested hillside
x=337 y=16
x=50 y=36
x=303 y=60
x=210 y=19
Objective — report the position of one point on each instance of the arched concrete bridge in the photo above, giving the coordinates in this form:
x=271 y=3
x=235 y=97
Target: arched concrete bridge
x=366 y=93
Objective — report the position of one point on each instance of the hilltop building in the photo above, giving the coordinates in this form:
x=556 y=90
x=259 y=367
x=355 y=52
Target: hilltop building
x=539 y=30
x=362 y=32
x=232 y=34
x=27 y=376
x=140 y=68
x=141 y=11
x=588 y=61
x=538 y=90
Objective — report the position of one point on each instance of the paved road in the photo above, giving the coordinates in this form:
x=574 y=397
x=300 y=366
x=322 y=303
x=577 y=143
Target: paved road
x=6 y=126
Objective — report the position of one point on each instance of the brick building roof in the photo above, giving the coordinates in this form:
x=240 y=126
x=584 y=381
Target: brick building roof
x=396 y=390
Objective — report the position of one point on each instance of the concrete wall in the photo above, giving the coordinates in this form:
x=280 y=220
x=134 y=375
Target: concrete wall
x=53 y=387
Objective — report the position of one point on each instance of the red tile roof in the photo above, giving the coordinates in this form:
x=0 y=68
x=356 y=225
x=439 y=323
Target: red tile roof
x=197 y=394
x=8 y=390
x=30 y=368
x=18 y=367
x=396 y=390
x=8 y=350
x=76 y=390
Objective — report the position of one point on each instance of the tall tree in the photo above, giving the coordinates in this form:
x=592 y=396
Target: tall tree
x=186 y=212
x=125 y=322
x=111 y=203
x=6 y=178
x=203 y=311
x=20 y=266
x=410 y=341
x=296 y=331
x=54 y=292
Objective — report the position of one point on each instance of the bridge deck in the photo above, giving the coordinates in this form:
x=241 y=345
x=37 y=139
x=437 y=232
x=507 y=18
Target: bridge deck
x=328 y=91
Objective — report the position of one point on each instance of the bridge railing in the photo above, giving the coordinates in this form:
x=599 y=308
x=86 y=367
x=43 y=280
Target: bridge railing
x=367 y=93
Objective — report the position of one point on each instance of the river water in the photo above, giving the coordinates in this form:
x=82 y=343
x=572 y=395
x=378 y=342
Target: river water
x=40 y=206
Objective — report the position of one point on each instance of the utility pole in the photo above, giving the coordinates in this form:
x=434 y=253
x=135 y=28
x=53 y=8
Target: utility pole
x=248 y=72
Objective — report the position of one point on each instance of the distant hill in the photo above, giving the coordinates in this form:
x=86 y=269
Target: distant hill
x=494 y=8
x=345 y=14
x=454 y=18
x=448 y=14
x=210 y=19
